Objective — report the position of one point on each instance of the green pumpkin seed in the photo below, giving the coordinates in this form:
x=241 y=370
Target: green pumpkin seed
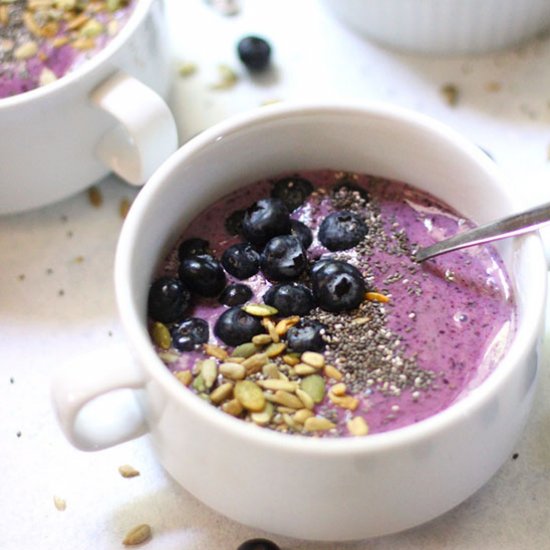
x=245 y=350
x=249 y=395
x=161 y=336
x=198 y=384
x=314 y=386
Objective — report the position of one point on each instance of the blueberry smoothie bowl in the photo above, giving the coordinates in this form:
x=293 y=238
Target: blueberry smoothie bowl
x=296 y=369
x=42 y=40
x=295 y=303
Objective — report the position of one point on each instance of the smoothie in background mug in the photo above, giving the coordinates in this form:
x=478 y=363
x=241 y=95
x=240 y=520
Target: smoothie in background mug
x=107 y=113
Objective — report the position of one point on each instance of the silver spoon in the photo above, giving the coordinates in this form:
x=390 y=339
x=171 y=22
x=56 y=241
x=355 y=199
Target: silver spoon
x=500 y=229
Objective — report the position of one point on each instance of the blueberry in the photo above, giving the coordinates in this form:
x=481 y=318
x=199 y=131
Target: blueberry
x=258 y=544
x=302 y=231
x=283 y=258
x=234 y=222
x=235 y=295
x=342 y=230
x=254 y=52
x=190 y=333
x=349 y=187
x=337 y=285
x=241 y=260
x=235 y=326
x=307 y=335
x=193 y=247
x=265 y=219
x=293 y=191
x=168 y=299
x=290 y=298
x=203 y=274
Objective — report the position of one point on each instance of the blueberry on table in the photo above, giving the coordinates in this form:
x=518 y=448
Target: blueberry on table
x=234 y=222
x=254 y=52
x=194 y=246
x=292 y=190
x=258 y=544
x=337 y=285
x=235 y=326
x=342 y=230
x=168 y=300
x=241 y=260
x=283 y=258
x=203 y=275
x=235 y=295
x=265 y=219
x=302 y=231
x=307 y=335
x=290 y=298
x=190 y=333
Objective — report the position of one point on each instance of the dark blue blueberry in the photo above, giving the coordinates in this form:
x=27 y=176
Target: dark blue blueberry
x=302 y=231
x=193 y=247
x=234 y=222
x=264 y=220
x=342 y=230
x=168 y=300
x=283 y=258
x=254 y=52
x=203 y=275
x=189 y=334
x=337 y=285
x=349 y=187
x=241 y=260
x=235 y=326
x=290 y=298
x=293 y=191
x=235 y=295
x=258 y=544
x=307 y=335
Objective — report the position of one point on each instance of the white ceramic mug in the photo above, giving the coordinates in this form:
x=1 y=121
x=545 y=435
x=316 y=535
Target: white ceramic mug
x=107 y=115
x=321 y=489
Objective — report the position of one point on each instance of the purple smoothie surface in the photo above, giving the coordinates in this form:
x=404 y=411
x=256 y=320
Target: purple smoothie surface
x=441 y=329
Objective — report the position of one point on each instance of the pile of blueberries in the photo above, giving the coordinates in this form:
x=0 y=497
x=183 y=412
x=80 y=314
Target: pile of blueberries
x=276 y=245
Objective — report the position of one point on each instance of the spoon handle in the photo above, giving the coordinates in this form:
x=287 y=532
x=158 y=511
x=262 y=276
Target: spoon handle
x=506 y=227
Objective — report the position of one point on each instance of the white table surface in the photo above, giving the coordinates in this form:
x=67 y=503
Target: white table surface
x=57 y=298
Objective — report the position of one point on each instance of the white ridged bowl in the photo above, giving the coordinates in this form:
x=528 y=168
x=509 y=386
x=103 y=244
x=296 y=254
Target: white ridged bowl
x=444 y=26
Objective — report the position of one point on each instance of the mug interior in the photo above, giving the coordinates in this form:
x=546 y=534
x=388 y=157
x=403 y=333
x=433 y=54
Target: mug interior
x=139 y=11
x=377 y=140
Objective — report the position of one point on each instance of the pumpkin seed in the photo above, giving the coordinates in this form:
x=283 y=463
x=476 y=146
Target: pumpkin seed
x=249 y=395
x=161 y=335
x=358 y=426
x=263 y=417
x=221 y=393
x=137 y=535
x=209 y=372
x=314 y=386
x=245 y=350
x=260 y=310
x=168 y=357
x=317 y=424
x=235 y=371
x=198 y=383
x=275 y=349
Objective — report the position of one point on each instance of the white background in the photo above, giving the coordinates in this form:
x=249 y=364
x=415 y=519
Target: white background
x=56 y=290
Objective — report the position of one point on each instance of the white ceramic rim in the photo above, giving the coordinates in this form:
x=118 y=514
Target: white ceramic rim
x=140 y=10
x=525 y=339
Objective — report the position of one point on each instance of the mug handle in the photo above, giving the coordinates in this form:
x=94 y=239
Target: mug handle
x=97 y=399
x=146 y=134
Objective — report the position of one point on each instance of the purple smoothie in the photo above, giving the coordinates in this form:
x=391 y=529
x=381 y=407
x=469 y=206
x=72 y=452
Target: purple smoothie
x=42 y=41
x=429 y=334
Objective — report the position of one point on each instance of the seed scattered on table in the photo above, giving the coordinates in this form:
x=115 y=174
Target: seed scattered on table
x=128 y=471
x=137 y=535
